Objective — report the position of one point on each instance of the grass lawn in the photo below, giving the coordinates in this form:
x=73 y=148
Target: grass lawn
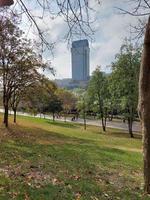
x=45 y=160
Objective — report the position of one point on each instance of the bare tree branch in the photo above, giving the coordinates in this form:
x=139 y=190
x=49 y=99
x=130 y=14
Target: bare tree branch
x=141 y=10
x=76 y=14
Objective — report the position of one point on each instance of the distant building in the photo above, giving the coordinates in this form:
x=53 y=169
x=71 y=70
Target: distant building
x=80 y=60
x=80 y=57
x=63 y=83
x=70 y=84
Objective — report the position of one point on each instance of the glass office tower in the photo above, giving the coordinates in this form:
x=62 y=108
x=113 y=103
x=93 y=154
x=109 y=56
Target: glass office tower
x=80 y=60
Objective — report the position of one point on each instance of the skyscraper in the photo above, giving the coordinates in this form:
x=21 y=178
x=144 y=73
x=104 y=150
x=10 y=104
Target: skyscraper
x=80 y=60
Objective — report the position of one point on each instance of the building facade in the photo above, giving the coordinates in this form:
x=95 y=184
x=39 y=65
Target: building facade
x=80 y=57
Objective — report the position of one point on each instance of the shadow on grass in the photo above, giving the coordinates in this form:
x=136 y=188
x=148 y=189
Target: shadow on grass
x=123 y=134
x=62 y=124
x=44 y=139
x=41 y=136
x=70 y=151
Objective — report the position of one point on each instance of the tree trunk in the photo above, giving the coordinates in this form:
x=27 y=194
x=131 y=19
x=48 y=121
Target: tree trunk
x=144 y=106
x=53 y=117
x=111 y=116
x=103 y=124
x=65 y=117
x=130 y=123
x=124 y=120
x=84 y=121
x=15 y=112
x=6 y=115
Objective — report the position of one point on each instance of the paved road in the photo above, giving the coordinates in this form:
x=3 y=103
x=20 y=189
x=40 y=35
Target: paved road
x=114 y=124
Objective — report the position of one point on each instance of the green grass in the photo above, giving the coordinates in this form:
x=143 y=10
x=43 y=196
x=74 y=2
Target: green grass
x=45 y=160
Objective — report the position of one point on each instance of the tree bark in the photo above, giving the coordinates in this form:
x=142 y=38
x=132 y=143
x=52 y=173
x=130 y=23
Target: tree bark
x=53 y=116
x=103 y=119
x=110 y=116
x=144 y=106
x=6 y=115
x=84 y=121
x=15 y=112
x=103 y=124
x=130 y=123
x=65 y=117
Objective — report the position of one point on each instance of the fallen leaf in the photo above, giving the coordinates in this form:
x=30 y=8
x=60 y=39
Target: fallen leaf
x=26 y=197
x=78 y=196
x=55 y=181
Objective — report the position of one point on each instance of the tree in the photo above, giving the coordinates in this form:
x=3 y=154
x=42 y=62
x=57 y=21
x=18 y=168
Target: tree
x=14 y=102
x=82 y=103
x=9 y=44
x=142 y=8
x=24 y=74
x=83 y=107
x=19 y=93
x=8 y=50
x=36 y=99
x=68 y=100
x=54 y=106
x=126 y=73
x=144 y=106
x=113 y=100
x=19 y=64
x=98 y=94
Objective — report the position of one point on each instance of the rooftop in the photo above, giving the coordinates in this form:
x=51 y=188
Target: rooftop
x=80 y=43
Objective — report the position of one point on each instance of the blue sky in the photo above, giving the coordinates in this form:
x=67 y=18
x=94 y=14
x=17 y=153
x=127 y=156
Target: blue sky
x=111 y=29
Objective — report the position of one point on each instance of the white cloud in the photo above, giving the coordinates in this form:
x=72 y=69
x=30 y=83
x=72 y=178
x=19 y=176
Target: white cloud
x=62 y=61
x=109 y=37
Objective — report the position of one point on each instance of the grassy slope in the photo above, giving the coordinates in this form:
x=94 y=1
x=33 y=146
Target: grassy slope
x=42 y=160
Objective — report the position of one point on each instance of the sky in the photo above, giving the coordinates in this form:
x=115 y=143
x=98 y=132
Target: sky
x=110 y=27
